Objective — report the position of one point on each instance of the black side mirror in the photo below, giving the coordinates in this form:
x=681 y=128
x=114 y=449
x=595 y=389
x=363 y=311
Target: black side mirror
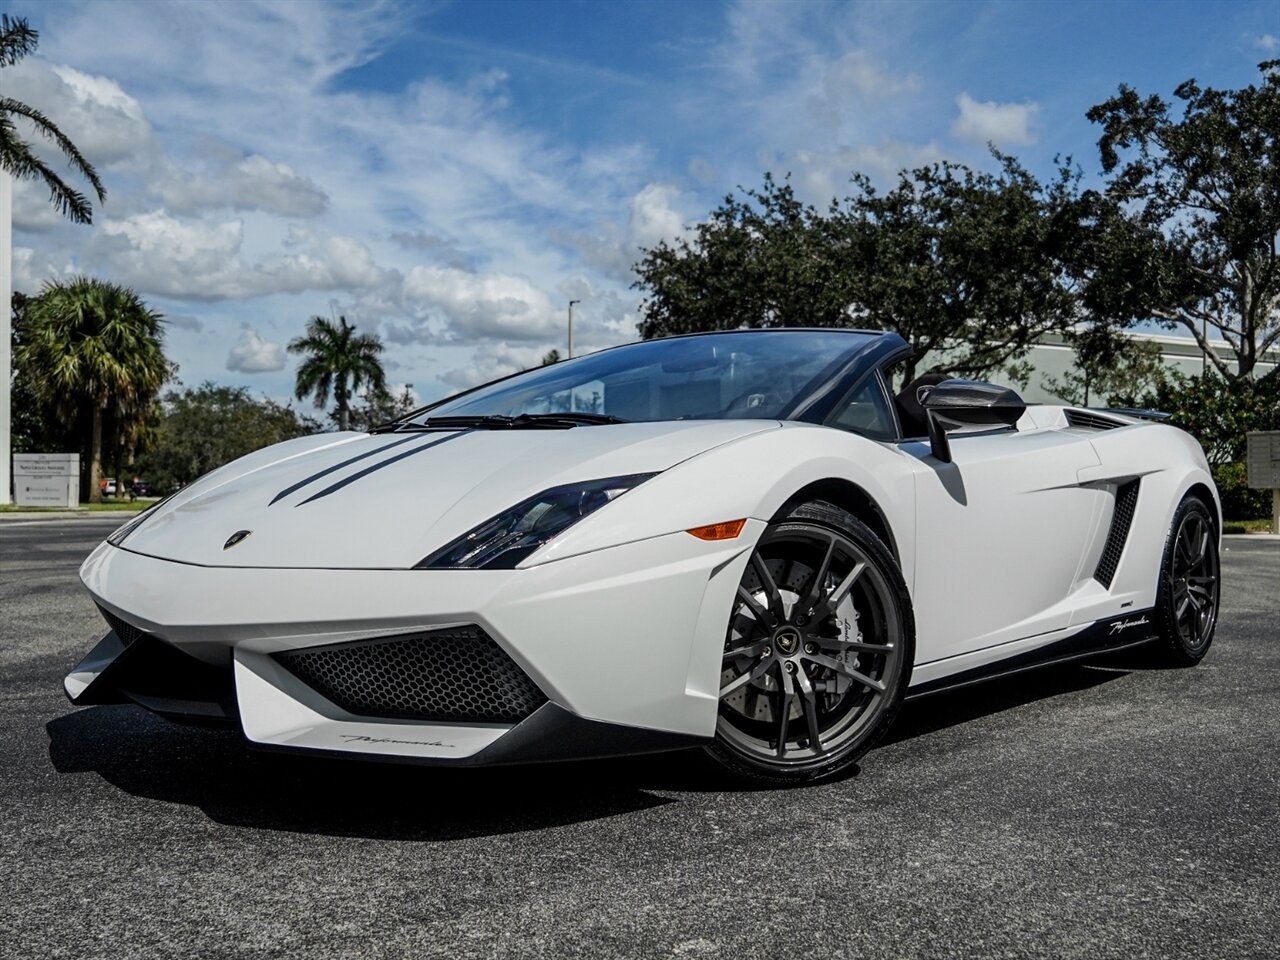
x=953 y=404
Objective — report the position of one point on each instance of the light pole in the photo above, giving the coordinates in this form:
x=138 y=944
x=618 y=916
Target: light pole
x=571 y=305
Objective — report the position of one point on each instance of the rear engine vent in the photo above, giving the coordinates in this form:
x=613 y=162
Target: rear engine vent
x=126 y=631
x=1121 y=520
x=450 y=676
x=1090 y=420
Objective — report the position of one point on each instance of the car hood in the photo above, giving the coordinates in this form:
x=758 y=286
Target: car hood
x=355 y=500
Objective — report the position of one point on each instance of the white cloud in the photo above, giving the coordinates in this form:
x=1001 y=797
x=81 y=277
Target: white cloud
x=457 y=214
x=32 y=211
x=251 y=183
x=858 y=75
x=107 y=124
x=824 y=174
x=803 y=88
x=184 y=321
x=32 y=268
x=986 y=121
x=160 y=254
x=654 y=217
x=321 y=261
x=201 y=259
x=492 y=361
x=613 y=248
x=482 y=305
x=255 y=354
x=1267 y=43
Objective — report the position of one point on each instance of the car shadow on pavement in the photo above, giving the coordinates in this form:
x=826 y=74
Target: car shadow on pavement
x=949 y=708
x=215 y=771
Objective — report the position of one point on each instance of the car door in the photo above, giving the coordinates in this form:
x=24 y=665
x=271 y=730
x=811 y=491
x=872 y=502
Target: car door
x=1001 y=533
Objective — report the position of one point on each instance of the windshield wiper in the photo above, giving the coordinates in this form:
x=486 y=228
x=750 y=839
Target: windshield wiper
x=568 y=418
x=525 y=421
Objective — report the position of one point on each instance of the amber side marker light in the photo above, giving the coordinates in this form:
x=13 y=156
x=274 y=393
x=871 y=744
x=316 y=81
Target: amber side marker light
x=719 y=531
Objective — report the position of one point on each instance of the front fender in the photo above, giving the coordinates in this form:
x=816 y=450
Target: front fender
x=752 y=477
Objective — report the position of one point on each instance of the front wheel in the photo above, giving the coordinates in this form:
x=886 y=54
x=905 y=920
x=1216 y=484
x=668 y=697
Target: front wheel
x=818 y=650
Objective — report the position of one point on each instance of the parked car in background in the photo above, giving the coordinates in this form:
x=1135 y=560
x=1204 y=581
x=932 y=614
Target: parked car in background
x=109 y=486
x=140 y=488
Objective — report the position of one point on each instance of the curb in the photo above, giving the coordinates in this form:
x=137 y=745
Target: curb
x=29 y=515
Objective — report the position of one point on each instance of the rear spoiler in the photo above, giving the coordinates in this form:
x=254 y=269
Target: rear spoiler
x=1157 y=415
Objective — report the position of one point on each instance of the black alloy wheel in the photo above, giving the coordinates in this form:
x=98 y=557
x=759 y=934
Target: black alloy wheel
x=818 y=651
x=1187 y=600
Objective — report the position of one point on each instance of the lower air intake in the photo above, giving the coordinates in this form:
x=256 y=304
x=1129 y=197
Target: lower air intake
x=452 y=676
x=126 y=631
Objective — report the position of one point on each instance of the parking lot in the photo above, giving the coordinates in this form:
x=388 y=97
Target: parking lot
x=1091 y=811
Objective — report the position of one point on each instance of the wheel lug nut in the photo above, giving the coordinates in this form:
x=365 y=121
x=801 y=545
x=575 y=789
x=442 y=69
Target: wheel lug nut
x=811 y=648
x=791 y=666
x=768 y=652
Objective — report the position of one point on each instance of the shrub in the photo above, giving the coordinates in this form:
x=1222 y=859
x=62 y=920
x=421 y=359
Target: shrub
x=1239 y=501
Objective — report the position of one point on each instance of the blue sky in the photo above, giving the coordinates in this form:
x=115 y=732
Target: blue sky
x=450 y=174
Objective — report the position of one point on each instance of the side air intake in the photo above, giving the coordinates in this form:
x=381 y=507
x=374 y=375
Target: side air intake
x=1121 y=521
x=459 y=675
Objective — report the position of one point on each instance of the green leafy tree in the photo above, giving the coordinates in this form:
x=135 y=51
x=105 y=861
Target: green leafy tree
x=201 y=428
x=969 y=267
x=1110 y=368
x=1220 y=412
x=35 y=429
x=94 y=351
x=379 y=406
x=17 y=156
x=1203 y=185
x=337 y=361
x=761 y=259
x=1112 y=270
x=550 y=357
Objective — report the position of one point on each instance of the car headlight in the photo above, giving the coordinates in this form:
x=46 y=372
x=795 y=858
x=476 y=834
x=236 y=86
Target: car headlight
x=501 y=543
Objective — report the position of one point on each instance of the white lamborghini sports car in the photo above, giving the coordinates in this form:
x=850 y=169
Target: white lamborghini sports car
x=747 y=540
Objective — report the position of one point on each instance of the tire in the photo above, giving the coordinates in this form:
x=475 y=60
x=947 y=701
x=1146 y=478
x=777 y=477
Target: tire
x=818 y=650
x=1189 y=589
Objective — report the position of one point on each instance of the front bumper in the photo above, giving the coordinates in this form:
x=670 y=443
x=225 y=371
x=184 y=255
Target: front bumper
x=624 y=642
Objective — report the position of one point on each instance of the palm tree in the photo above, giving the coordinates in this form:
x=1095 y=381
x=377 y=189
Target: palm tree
x=17 y=158
x=338 y=361
x=94 y=347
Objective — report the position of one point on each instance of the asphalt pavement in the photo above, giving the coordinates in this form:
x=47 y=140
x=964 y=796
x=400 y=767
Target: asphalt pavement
x=1092 y=811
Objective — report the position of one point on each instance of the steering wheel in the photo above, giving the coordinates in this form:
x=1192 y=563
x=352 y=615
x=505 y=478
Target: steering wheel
x=754 y=403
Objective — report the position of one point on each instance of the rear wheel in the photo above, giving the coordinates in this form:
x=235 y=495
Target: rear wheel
x=1187 y=598
x=818 y=650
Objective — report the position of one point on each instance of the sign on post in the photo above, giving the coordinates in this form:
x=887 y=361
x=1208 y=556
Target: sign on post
x=46 y=479
x=1264 y=468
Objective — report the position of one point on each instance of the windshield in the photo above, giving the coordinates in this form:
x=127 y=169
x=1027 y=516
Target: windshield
x=750 y=374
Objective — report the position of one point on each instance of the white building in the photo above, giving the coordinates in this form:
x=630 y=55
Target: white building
x=1052 y=358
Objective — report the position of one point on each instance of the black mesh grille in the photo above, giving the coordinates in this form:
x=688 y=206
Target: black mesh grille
x=1121 y=519
x=458 y=675
x=126 y=631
